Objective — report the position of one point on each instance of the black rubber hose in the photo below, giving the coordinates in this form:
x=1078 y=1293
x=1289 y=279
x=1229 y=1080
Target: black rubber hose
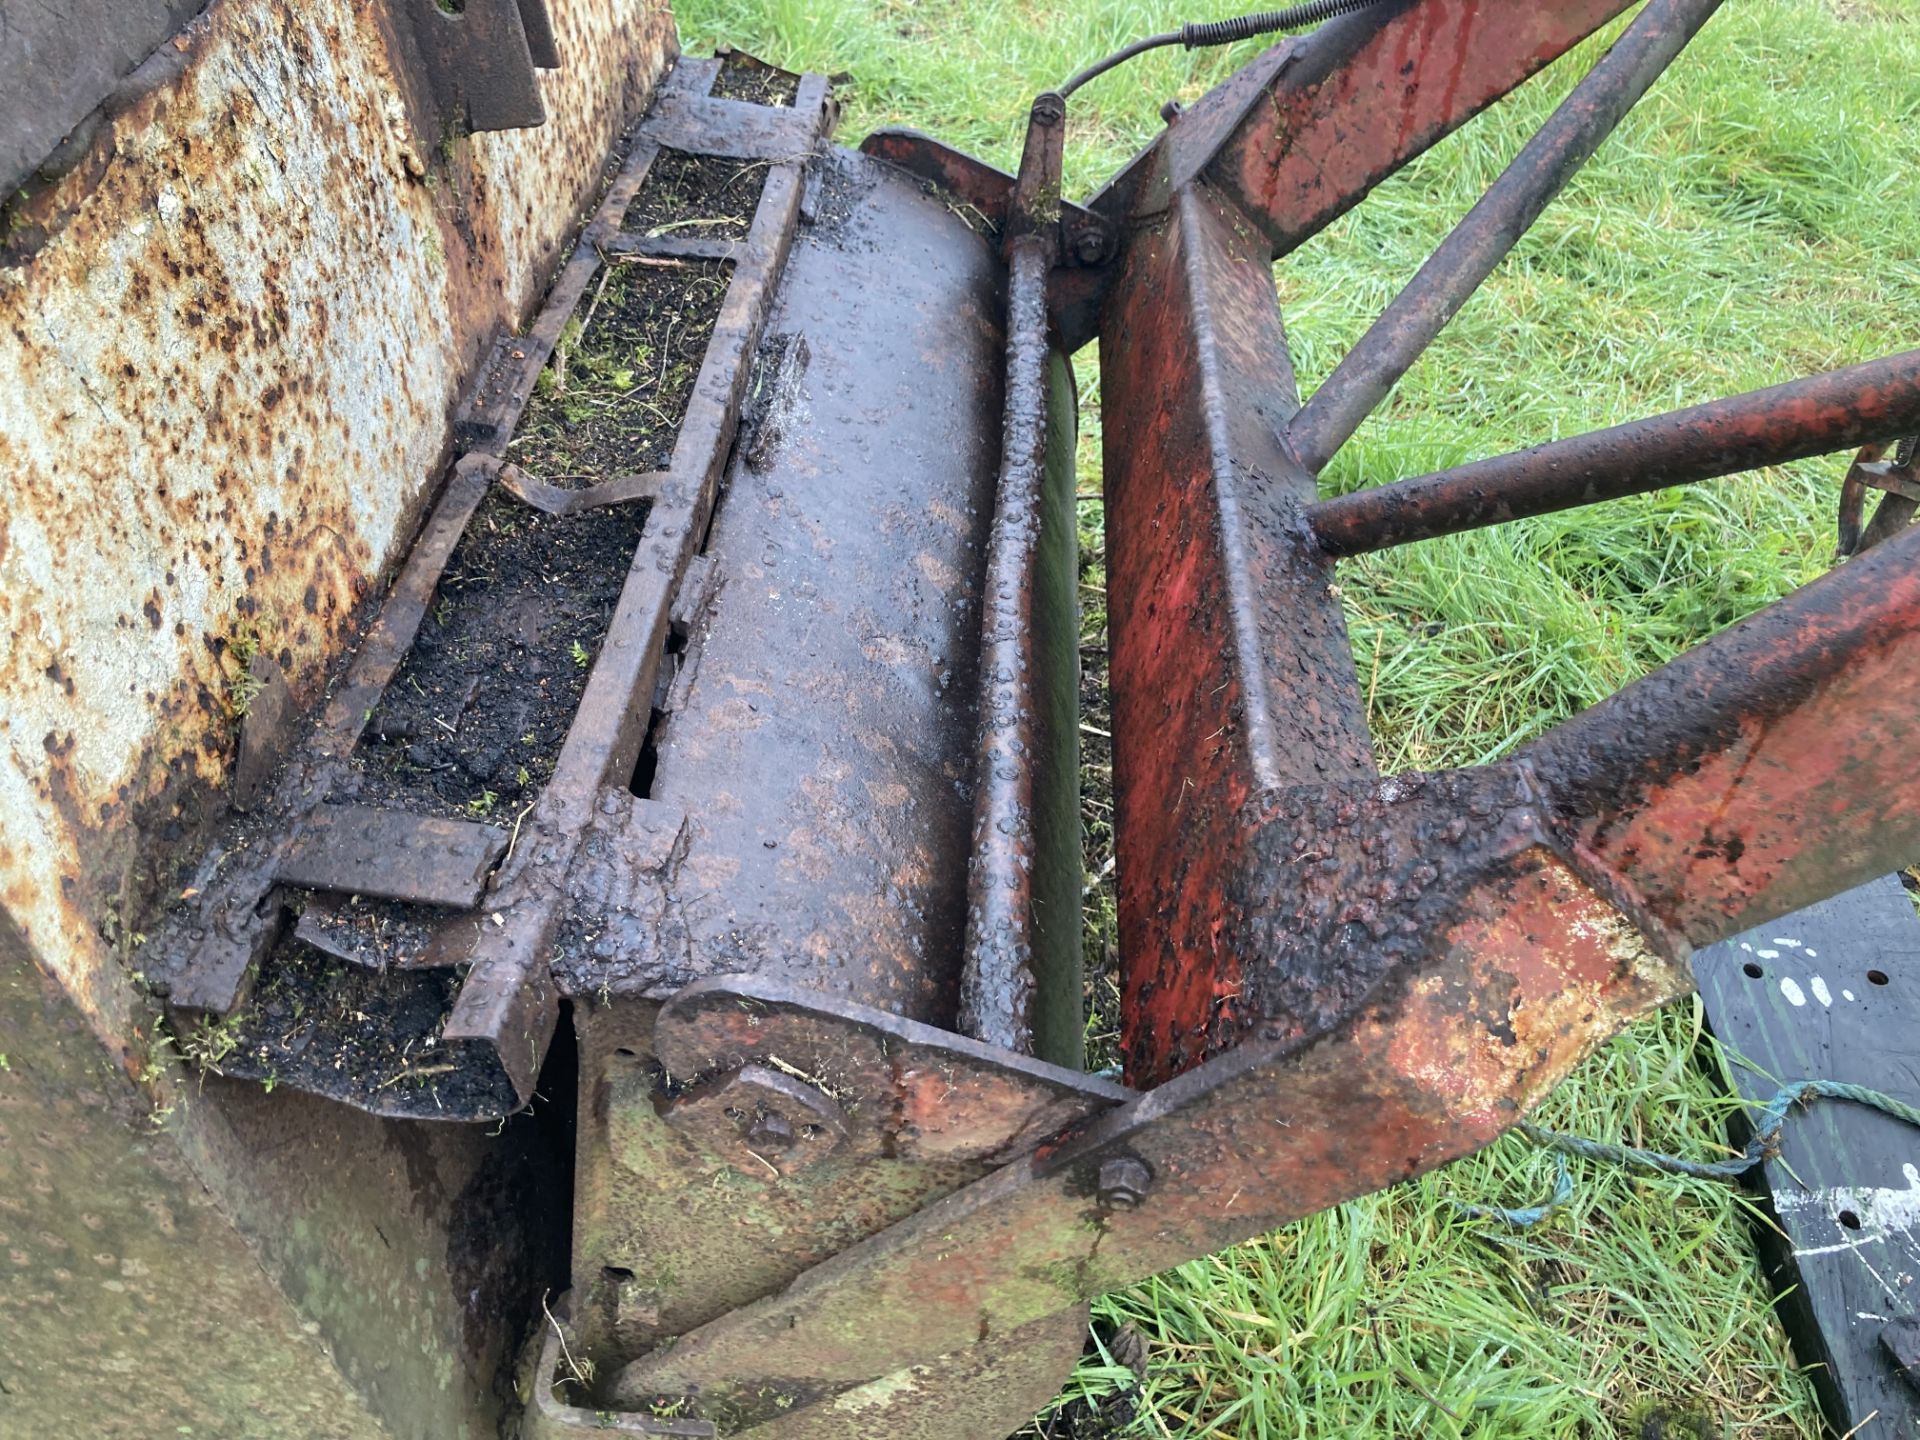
x=1194 y=35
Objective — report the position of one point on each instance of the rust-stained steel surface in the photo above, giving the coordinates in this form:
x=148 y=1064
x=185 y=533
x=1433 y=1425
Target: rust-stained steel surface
x=1302 y=133
x=481 y=1058
x=816 y=732
x=233 y=330
x=809 y=792
x=1763 y=770
x=1230 y=668
x=801 y=854
x=925 y=1093
x=1786 y=422
x=391 y=855
x=1340 y=980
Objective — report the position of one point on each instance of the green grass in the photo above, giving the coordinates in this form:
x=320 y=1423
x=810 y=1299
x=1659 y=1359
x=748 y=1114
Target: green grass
x=1750 y=222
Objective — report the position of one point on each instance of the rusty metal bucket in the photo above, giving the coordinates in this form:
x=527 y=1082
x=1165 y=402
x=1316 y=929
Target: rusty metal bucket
x=556 y=902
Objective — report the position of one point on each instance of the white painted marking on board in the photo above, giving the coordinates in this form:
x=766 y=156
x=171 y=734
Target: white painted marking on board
x=1812 y=954
x=1820 y=991
x=1789 y=988
x=1847 y=993
x=1786 y=940
x=1879 y=1213
x=1768 y=954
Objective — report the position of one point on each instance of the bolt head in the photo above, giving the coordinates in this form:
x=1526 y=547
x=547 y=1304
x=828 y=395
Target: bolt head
x=758 y=1119
x=1090 y=246
x=770 y=1130
x=1124 y=1182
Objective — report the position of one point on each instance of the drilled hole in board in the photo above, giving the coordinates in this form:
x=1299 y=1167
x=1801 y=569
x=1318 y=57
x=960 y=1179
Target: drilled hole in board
x=1753 y=971
x=1849 y=1219
x=1878 y=977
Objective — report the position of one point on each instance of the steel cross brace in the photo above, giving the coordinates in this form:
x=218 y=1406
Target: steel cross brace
x=1336 y=981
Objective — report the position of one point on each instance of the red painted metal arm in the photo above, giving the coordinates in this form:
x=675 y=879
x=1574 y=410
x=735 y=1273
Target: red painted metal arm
x=1302 y=133
x=1353 y=102
x=1771 y=767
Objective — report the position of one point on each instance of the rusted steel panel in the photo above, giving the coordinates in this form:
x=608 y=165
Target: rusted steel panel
x=230 y=361
x=818 y=736
x=809 y=790
x=1318 y=122
x=1231 y=671
x=1786 y=422
x=1769 y=768
x=58 y=62
x=509 y=1003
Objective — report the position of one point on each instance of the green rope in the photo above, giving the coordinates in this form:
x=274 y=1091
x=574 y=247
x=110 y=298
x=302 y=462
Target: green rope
x=1766 y=1134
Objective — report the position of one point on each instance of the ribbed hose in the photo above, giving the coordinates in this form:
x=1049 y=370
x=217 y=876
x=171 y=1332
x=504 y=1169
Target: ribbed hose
x=1266 y=22
x=1196 y=34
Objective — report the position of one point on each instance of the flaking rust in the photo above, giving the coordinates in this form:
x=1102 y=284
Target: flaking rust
x=231 y=359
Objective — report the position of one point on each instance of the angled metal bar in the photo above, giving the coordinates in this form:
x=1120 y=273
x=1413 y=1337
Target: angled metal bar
x=1475 y=926
x=1815 y=416
x=1495 y=224
x=1769 y=768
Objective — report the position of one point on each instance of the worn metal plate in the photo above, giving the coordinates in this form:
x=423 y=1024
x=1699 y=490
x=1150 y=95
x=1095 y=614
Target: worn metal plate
x=391 y=855
x=225 y=421
x=1832 y=992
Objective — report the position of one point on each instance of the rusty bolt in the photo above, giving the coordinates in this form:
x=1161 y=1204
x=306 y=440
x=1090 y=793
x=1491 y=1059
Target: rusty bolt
x=771 y=1130
x=1090 y=245
x=759 y=1119
x=1124 y=1182
x=1049 y=109
x=1170 y=111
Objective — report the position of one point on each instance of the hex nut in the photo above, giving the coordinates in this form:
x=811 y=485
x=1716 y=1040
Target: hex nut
x=1124 y=1182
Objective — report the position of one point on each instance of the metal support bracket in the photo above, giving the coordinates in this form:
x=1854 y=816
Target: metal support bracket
x=479 y=59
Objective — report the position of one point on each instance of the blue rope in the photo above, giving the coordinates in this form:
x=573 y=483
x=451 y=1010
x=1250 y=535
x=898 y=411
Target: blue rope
x=1531 y=1215
x=1764 y=1143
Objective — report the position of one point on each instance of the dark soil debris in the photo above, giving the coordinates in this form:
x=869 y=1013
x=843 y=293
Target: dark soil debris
x=473 y=721
x=372 y=933
x=611 y=400
x=703 y=197
x=744 y=78
x=359 y=1035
